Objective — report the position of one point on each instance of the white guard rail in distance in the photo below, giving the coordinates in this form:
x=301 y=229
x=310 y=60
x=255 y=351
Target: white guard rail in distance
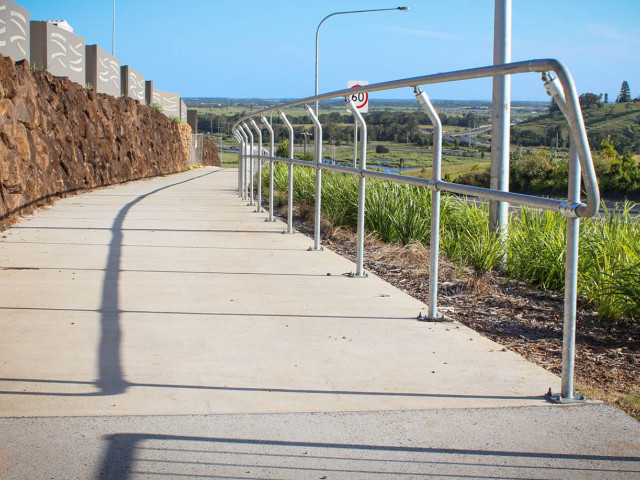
x=581 y=168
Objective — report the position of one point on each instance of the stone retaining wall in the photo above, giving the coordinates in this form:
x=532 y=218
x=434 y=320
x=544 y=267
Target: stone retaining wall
x=58 y=138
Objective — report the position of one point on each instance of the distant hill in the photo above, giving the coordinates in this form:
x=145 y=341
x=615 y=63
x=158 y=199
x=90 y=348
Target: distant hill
x=620 y=121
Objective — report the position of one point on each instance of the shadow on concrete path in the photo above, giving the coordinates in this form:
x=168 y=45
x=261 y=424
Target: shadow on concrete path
x=133 y=454
x=111 y=381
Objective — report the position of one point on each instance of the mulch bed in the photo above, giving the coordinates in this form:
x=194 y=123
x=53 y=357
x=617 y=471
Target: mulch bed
x=523 y=319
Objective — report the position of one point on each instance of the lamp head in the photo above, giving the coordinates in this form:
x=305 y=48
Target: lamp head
x=403 y=8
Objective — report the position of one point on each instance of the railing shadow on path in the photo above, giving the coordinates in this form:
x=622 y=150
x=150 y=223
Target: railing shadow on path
x=132 y=454
x=111 y=381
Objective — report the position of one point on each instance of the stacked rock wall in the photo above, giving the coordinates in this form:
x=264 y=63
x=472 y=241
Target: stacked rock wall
x=210 y=156
x=58 y=138
x=185 y=139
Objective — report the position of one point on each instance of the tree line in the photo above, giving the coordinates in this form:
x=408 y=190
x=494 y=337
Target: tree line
x=387 y=126
x=615 y=125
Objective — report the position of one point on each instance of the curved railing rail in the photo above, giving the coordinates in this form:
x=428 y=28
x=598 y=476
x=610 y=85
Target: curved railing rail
x=563 y=91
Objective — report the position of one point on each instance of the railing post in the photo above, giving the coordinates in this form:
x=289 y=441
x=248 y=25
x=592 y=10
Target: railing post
x=239 y=139
x=247 y=160
x=317 y=140
x=571 y=283
x=290 y=185
x=567 y=394
x=271 y=154
x=360 y=272
x=251 y=166
x=245 y=145
x=255 y=125
x=434 y=247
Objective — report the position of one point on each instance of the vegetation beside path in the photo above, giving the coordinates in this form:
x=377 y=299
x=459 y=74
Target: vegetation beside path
x=609 y=268
x=524 y=319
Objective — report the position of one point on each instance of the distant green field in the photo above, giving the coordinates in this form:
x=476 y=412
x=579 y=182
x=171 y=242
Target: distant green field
x=453 y=169
x=399 y=154
x=620 y=121
x=229 y=159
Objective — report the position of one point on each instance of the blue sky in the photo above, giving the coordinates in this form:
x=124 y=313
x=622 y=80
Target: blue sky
x=265 y=49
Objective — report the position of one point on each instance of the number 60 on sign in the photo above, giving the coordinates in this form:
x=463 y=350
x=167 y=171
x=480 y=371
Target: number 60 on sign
x=361 y=99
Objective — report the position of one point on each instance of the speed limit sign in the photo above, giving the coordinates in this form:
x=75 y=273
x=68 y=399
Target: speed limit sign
x=361 y=99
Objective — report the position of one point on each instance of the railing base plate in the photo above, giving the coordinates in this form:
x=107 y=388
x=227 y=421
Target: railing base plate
x=436 y=319
x=353 y=275
x=559 y=399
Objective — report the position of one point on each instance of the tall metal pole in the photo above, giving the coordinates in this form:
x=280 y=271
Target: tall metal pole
x=501 y=115
x=113 y=40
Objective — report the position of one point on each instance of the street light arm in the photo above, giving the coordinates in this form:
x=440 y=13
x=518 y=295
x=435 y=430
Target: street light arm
x=402 y=9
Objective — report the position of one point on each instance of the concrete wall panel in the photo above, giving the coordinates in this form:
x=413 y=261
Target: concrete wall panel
x=132 y=83
x=148 y=91
x=192 y=119
x=169 y=102
x=103 y=71
x=60 y=51
x=14 y=30
x=183 y=112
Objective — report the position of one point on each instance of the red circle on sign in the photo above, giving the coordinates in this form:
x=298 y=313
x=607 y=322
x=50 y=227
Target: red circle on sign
x=366 y=97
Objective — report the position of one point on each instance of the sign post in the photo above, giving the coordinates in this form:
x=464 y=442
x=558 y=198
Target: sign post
x=361 y=101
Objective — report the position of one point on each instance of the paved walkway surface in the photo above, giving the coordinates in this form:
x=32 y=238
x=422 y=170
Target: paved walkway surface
x=163 y=329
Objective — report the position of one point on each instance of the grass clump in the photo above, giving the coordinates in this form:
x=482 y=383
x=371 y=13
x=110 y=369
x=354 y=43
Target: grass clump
x=534 y=251
x=610 y=264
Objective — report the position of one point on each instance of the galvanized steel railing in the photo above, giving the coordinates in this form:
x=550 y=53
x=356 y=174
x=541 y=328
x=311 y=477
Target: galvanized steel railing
x=563 y=91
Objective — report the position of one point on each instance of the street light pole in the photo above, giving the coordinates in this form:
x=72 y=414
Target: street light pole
x=404 y=9
x=113 y=39
x=306 y=134
x=500 y=117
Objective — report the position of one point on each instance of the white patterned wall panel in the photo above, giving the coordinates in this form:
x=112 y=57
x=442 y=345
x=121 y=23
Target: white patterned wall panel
x=14 y=30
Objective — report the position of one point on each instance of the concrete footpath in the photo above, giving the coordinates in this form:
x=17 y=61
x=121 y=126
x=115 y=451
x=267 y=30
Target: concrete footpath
x=163 y=329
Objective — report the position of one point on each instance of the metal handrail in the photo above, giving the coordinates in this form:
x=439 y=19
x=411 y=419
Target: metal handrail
x=562 y=89
x=574 y=116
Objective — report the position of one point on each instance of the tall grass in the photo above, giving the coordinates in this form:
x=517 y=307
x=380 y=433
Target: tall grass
x=609 y=265
x=536 y=248
x=466 y=238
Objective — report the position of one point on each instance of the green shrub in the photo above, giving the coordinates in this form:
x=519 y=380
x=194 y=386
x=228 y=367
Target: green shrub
x=610 y=264
x=535 y=249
